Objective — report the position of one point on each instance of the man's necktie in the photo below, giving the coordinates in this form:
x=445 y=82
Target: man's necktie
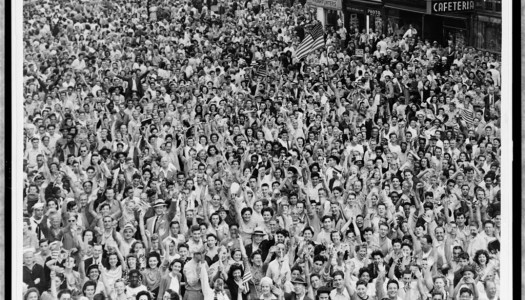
x=156 y=224
x=38 y=232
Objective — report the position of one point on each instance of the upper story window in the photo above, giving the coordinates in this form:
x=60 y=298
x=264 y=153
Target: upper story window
x=491 y=5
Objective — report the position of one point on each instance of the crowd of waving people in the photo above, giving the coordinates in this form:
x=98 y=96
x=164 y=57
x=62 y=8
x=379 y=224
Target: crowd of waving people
x=181 y=150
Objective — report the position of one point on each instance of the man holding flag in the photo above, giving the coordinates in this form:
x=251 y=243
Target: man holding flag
x=313 y=40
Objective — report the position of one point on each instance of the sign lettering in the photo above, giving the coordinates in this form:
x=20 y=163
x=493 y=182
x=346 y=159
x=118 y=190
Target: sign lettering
x=452 y=6
x=356 y=10
x=330 y=4
x=374 y=12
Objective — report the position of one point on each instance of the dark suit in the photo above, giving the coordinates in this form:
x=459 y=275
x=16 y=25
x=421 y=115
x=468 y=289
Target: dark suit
x=450 y=53
x=71 y=148
x=433 y=107
x=430 y=149
x=161 y=222
x=373 y=270
x=90 y=261
x=264 y=248
x=296 y=93
x=489 y=103
x=122 y=118
x=138 y=83
x=33 y=274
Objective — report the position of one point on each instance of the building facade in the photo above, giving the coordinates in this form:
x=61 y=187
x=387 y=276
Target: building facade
x=465 y=22
x=487 y=26
x=327 y=11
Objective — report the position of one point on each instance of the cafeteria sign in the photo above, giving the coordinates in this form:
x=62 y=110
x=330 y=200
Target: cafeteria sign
x=330 y=4
x=451 y=6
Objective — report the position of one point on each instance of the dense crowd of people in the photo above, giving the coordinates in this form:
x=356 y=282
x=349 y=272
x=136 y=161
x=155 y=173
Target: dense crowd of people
x=181 y=150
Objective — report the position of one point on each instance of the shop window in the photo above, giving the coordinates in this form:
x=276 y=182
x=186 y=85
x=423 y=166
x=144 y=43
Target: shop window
x=376 y=23
x=356 y=22
x=456 y=35
x=488 y=36
x=393 y=26
x=331 y=17
x=492 y=5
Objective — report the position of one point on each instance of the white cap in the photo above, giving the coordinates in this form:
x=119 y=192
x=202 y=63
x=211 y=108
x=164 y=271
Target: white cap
x=39 y=205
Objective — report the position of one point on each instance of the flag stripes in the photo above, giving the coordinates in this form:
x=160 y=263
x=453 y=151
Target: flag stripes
x=246 y=278
x=260 y=70
x=313 y=40
x=467 y=116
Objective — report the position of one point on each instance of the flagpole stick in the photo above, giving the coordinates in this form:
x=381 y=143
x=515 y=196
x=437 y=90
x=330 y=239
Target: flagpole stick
x=367 y=24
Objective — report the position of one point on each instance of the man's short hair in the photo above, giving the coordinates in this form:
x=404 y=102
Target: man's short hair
x=64 y=292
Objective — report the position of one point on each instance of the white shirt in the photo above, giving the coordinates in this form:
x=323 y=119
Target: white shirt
x=275 y=270
x=174 y=284
x=334 y=295
x=207 y=291
x=132 y=292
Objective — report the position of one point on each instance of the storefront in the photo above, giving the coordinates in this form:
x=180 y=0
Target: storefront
x=464 y=22
x=453 y=17
x=356 y=12
x=489 y=33
x=487 y=26
x=327 y=11
x=400 y=14
x=434 y=20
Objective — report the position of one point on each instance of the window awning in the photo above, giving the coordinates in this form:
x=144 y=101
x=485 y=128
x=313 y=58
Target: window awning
x=407 y=8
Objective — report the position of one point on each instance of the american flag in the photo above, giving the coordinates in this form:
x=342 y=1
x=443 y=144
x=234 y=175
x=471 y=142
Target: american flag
x=313 y=40
x=247 y=277
x=260 y=69
x=467 y=116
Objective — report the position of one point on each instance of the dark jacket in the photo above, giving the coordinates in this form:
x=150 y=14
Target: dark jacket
x=36 y=273
x=138 y=81
x=264 y=248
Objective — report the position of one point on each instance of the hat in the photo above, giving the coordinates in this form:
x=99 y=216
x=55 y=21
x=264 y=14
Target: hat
x=299 y=279
x=105 y=149
x=159 y=202
x=259 y=231
x=30 y=249
x=468 y=268
x=39 y=205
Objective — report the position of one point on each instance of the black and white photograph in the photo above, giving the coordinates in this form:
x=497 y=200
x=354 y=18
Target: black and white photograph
x=262 y=150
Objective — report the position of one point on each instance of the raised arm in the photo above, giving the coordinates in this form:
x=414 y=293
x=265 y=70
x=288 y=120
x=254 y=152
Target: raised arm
x=143 y=229
x=381 y=275
x=183 y=221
